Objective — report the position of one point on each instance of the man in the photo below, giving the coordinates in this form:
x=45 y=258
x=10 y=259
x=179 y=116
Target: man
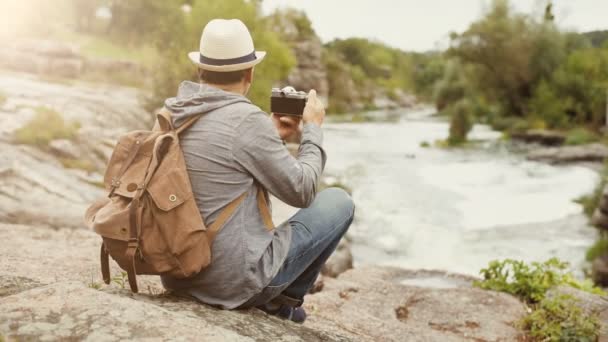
x=235 y=147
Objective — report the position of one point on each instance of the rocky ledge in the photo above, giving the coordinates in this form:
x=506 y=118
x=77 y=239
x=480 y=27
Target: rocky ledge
x=593 y=153
x=50 y=289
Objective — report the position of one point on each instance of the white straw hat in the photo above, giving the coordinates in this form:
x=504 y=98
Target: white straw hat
x=226 y=45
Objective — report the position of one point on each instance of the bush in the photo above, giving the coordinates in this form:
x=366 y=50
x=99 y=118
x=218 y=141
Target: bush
x=560 y=319
x=460 y=123
x=530 y=282
x=551 y=319
x=581 y=136
x=47 y=125
x=549 y=106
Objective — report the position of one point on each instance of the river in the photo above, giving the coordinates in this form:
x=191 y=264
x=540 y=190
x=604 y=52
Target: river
x=454 y=209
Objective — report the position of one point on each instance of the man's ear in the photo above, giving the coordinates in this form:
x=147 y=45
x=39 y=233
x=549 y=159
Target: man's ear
x=249 y=76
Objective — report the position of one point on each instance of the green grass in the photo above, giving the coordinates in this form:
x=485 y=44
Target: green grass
x=581 y=136
x=47 y=125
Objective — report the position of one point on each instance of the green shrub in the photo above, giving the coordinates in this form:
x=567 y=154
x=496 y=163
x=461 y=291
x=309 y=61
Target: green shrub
x=549 y=106
x=561 y=319
x=47 y=125
x=460 y=123
x=530 y=282
x=425 y=144
x=580 y=136
x=555 y=318
x=599 y=248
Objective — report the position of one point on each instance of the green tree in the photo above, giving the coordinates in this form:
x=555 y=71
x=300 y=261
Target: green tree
x=511 y=53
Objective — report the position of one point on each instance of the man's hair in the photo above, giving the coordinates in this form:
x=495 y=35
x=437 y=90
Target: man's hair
x=217 y=77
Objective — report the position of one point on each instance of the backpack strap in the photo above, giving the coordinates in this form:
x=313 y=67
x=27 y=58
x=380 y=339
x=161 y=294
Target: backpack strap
x=264 y=209
x=225 y=214
x=105 y=264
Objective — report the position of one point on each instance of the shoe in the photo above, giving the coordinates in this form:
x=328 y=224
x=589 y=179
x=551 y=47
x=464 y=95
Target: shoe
x=295 y=314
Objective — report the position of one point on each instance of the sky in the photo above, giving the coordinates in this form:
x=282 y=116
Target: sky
x=422 y=25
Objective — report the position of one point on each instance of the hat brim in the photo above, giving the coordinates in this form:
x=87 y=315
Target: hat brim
x=195 y=58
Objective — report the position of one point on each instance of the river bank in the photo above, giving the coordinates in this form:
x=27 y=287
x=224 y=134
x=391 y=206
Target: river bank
x=50 y=286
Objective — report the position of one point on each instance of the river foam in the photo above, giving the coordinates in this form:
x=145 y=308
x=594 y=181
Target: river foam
x=454 y=209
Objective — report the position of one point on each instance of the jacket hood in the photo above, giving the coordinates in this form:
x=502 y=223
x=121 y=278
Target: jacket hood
x=195 y=98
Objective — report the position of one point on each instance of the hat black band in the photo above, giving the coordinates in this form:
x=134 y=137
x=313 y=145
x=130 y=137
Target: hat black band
x=214 y=61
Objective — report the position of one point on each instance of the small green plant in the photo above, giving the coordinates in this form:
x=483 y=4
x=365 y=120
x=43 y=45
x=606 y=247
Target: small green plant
x=425 y=144
x=559 y=318
x=556 y=318
x=580 y=136
x=47 y=125
x=120 y=279
x=94 y=285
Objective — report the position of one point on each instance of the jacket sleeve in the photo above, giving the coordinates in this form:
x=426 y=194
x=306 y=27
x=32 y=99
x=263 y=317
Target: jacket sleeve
x=259 y=150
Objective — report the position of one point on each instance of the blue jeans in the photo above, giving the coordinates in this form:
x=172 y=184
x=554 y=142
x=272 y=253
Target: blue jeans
x=316 y=232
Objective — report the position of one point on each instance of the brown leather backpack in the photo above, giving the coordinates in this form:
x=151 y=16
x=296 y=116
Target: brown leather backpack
x=150 y=222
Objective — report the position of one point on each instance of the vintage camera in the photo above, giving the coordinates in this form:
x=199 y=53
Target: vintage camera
x=287 y=101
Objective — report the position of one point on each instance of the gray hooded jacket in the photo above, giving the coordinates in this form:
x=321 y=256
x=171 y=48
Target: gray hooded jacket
x=233 y=144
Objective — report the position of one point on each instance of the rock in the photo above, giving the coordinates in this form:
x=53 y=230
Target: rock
x=372 y=304
x=64 y=148
x=599 y=271
x=309 y=73
x=340 y=261
x=571 y=154
x=51 y=293
x=70 y=310
x=112 y=66
x=540 y=136
x=33 y=182
x=45 y=57
x=48 y=48
x=591 y=304
x=599 y=219
x=64 y=67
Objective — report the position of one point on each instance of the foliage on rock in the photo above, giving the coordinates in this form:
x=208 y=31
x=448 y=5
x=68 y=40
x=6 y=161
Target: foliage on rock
x=47 y=125
x=560 y=319
x=554 y=318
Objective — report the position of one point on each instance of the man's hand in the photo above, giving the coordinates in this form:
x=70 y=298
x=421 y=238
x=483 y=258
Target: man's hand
x=287 y=125
x=314 y=112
